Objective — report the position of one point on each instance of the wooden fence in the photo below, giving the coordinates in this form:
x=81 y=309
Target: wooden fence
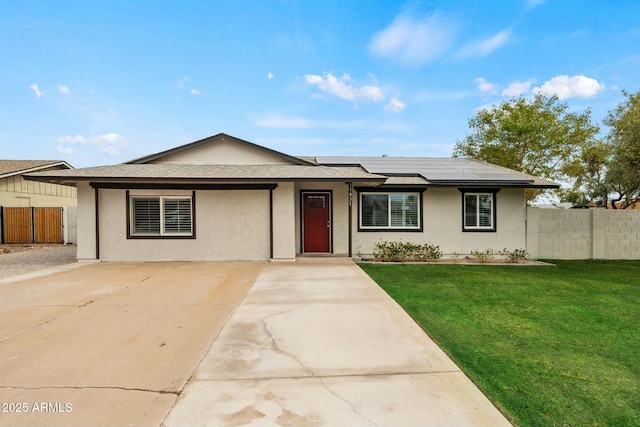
x=31 y=225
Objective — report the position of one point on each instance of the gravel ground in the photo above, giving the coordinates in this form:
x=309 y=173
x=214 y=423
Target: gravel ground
x=21 y=259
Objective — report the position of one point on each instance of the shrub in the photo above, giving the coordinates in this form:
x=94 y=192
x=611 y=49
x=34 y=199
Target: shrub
x=488 y=255
x=428 y=252
x=390 y=251
x=516 y=255
x=398 y=251
x=483 y=256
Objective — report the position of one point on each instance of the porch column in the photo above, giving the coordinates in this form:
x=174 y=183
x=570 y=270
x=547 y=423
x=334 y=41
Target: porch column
x=284 y=222
x=86 y=226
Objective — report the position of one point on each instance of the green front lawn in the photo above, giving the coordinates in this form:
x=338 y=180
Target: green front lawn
x=550 y=346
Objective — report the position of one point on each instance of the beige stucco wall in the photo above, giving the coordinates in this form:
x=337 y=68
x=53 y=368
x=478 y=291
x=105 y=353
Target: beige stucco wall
x=230 y=225
x=70 y=224
x=223 y=152
x=235 y=225
x=442 y=225
x=583 y=233
x=86 y=222
x=15 y=191
x=340 y=214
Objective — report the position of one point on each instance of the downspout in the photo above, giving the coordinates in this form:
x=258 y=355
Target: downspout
x=97 y=206
x=350 y=184
x=271 y=223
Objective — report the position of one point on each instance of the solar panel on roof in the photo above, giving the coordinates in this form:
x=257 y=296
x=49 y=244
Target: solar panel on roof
x=431 y=168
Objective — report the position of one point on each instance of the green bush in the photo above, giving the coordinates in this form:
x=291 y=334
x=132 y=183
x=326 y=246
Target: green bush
x=428 y=252
x=483 y=256
x=488 y=255
x=399 y=251
x=516 y=255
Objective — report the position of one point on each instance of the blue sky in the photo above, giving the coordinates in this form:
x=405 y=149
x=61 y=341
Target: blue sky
x=97 y=83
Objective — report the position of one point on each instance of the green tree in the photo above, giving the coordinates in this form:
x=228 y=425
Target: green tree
x=537 y=136
x=623 y=175
x=590 y=171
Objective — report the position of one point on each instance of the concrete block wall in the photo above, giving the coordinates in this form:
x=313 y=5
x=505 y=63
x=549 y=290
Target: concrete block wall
x=583 y=233
x=618 y=232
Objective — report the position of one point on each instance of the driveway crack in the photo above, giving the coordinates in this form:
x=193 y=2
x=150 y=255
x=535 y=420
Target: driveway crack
x=276 y=347
x=146 y=390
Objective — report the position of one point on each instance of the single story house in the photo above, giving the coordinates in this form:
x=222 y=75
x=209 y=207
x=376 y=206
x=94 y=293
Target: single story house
x=16 y=192
x=222 y=198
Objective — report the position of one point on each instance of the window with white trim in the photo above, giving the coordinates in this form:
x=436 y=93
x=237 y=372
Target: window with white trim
x=479 y=211
x=389 y=211
x=161 y=216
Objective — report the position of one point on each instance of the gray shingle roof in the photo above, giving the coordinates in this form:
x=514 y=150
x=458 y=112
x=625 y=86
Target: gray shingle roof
x=176 y=172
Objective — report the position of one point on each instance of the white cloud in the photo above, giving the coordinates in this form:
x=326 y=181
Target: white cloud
x=194 y=92
x=63 y=149
x=414 y=40
x=63 y=89
x=532 y=4
x=78 y=139
x=570 y=87
x=270 y=75
x=517 y=88
x=484 y=47
x=181 y=82
x=107 y=138
x=108 y=143
x=485 y=86
x=343 y=88
x=395 y=105
x=35 y=90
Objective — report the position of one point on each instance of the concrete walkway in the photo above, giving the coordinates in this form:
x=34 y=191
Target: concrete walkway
x=318 y=343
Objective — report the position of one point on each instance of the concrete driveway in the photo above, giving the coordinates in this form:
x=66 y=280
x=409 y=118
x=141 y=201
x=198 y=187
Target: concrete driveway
x=110 y=344
x=311 y=343
x=318 y=343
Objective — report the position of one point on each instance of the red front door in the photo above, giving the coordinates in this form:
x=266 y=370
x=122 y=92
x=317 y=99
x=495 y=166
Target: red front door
x=316 y=222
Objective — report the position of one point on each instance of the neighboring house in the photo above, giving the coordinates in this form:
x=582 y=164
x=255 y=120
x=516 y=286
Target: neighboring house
x=222 y=198
x=15 y=191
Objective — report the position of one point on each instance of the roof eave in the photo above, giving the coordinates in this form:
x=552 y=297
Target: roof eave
x=75 y=180
x=490 y=184
x=37 y=168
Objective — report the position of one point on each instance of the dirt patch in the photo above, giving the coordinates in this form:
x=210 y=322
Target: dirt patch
x=21 y=247
x=21 y=259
